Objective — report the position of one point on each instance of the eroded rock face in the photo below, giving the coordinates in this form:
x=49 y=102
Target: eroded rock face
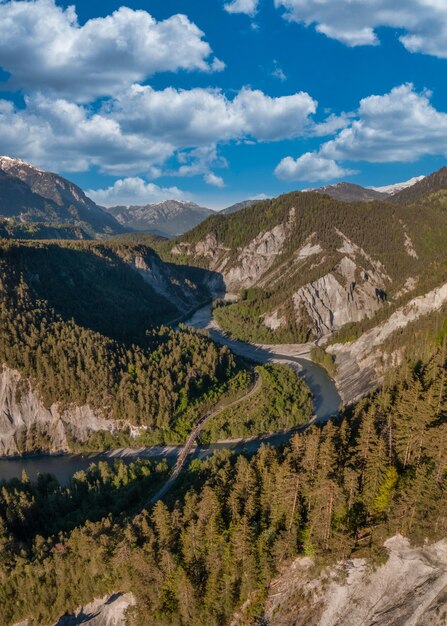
x=244 y=268
x=361 y=363
x=410 y=589
x=346 y=295
x=107 y=611
x=24 y=418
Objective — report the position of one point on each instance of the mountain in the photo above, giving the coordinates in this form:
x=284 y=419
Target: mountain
x=168 y=219
x=30 y=194
x=396 y=187
x=305 y=267
x=434 y=184
x=348 y=192
x=238 y=206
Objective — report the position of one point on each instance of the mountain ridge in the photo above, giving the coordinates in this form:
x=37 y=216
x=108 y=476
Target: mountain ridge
x=168 y=218
x=30 y=194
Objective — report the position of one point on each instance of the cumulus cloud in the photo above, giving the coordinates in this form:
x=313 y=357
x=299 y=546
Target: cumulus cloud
x=44 y=47
x=310 y=167
x=139 y=130
x=215 y=181
x=203 y=116
x=68 y=137
x=249 y=7
x=128 y=191
x=354 y=22
x=400 y=126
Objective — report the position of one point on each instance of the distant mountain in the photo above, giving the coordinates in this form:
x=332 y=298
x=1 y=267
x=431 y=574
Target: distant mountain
x=348 y=192
x=168 y=219
x=436 y=182
x=396 y=187
x=30 y=194
x=238 y=206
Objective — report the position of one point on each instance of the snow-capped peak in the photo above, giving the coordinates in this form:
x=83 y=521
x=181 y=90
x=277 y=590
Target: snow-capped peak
x=392 y=189
x=7 y=162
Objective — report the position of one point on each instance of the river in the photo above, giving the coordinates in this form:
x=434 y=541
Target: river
x=326 y=403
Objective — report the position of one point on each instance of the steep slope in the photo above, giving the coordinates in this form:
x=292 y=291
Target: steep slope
x=33 y=195
x=81 y=352
x=168 y=219
x=83 y=280
x=436 y=182
x=306 y=265
x=348 y=192
x=410 y=588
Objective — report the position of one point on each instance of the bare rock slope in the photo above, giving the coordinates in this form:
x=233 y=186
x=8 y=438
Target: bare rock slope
x=25 y=420
x=410 y=589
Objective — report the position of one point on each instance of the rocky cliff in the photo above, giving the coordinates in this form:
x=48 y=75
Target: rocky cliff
x=361 y=364
x=410 y=589
x=352 y=287
x=26 y=423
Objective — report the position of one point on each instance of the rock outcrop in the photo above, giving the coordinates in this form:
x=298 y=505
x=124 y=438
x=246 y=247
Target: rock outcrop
x=108 y=611
x=25 y=420
x=345 y=295
x=184 y=287
x=409 y=589
x=362 y=363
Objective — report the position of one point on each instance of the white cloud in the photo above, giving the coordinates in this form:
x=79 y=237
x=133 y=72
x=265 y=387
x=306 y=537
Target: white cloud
x=67 y=137
x=310 y=167
x=400 y=126
x=354 y=22
x=202 y=116
x=139 y=130
x=44 y=48
x=279 y=73
x=128 y=191
x=249 y=7
x=215 y=181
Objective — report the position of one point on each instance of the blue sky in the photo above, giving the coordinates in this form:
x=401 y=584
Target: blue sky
x=218 y=101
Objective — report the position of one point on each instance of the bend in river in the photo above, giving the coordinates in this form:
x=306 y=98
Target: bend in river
x=326 y=403
x=327 y=400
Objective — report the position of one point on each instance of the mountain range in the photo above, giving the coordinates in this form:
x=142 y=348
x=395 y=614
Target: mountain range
x=59 y=209
x=168 y=219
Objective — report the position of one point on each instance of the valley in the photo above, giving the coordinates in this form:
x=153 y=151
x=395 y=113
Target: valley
x=276 y=372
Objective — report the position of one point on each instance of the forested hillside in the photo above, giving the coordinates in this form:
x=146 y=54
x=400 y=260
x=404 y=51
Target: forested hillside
x=337 y=491
x=151 y=384
x=118 y=289
x=305 y=265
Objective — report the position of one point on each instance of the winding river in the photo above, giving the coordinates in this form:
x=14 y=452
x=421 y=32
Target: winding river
x=326 y=403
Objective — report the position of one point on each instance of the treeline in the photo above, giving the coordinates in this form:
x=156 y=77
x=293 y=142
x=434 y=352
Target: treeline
x=336 y=491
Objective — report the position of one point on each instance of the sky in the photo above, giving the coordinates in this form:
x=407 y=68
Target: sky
x=216 y=101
